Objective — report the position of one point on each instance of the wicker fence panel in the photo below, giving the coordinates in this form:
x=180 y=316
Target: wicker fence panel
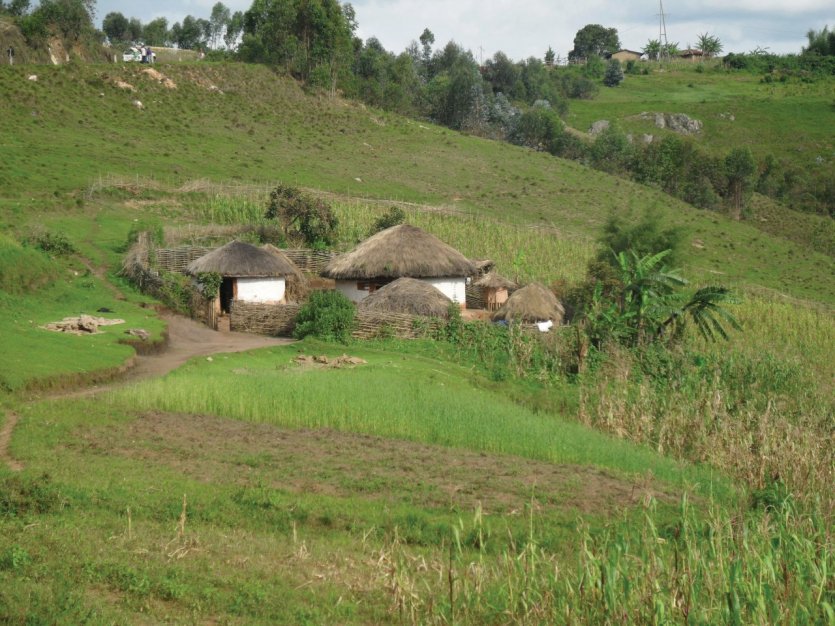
x=280 y=320
x=178 y=259
x=475 y=297
x=264 y=319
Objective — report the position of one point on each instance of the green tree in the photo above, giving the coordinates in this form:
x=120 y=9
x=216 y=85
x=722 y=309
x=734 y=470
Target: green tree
x=549 y=57
x=233 y=30
x=502 y=73
x=73 y=19
x=539 y=128
x=652 y=49
x=614 y=74
x=427 y=38
x=821 y=42
x=594 y=39
x=643 y=237
x=115 y=26
x=189 y=35
x=218 y=21
x=134 y=29
x=740 y=168
x=709 y=45
x=302 y=217
x=156 y=32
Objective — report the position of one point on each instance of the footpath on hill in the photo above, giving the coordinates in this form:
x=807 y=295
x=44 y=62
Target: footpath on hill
x=187 y=339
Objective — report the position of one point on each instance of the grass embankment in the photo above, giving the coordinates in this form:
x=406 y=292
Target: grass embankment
x=263 y=127
x=36 y=289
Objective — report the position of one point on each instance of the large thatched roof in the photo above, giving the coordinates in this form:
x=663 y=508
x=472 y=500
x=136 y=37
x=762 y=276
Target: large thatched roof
x=532 y=303
x=494 y=280
x=407 y=295
x=242 y=260
x=401 y=250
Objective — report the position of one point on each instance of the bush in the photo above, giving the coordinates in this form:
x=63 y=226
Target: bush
x=614 y=74
x=644 y=237
x=303 y=217
x=54 y=244
x=328 y=315
x=395 y=216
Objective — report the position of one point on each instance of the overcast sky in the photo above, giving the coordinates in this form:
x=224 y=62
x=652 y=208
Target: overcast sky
x=523 y=28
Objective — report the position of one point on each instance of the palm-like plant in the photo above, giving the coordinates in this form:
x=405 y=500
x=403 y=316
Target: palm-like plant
x=648 y=303
x=652 y=49
x=709 y=45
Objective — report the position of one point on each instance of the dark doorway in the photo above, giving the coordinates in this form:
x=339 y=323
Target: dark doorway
x=227 y=294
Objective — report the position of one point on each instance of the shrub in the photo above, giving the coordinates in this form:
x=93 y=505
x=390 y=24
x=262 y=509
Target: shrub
x=395 y=216
x=328 y=315
x=54 y=244
x=614 y=74
x=303 y=217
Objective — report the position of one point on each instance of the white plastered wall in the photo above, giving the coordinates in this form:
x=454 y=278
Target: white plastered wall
x=348 y=288
x=265 y=290
x=453 y=288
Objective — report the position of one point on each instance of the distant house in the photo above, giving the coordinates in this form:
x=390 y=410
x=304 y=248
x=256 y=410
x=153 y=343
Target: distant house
x=692 y=55
x=407 y=295
x=532 y=304
x=250 y=274
x=397 y=252
x=625 y=55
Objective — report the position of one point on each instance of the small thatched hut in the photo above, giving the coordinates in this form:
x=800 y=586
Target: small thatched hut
x=494 y=288
x=532 y=304
x=249 y=273
x=401 y=251
x=407 y=295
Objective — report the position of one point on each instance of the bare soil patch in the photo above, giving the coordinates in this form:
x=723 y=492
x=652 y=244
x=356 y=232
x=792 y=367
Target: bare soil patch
x=5 y=438
x=330 y=462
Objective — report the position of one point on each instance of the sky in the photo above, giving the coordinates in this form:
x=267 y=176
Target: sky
x=524 y=28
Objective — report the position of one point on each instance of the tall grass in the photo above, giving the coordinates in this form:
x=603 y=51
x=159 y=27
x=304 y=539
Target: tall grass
x=524 y=253
x=714 y=568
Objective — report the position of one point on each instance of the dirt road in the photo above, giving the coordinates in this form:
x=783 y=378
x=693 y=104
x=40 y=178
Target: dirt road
x=186 y=339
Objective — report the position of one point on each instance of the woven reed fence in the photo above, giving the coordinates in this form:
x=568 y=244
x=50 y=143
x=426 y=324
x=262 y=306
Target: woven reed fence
x=280 y=320
x=177 y=259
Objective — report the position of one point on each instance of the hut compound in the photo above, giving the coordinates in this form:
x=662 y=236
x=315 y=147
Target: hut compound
x=398 y=252
x=532 y=304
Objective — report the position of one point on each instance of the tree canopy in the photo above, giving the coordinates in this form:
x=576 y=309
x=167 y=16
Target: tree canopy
x=594 y=39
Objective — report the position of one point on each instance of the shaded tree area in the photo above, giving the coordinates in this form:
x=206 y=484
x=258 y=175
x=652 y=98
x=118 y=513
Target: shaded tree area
x=69 y=20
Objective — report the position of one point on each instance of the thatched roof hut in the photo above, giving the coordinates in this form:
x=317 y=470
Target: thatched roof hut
x=243 y=260
x=401 y=250
x=494 y=280
x=408 y=295
x=532 y=303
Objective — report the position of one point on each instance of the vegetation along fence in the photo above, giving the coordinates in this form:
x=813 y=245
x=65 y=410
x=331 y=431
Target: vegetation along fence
x=279 y=320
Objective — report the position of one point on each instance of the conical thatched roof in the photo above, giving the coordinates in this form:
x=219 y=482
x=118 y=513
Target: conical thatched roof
x=242 y=260
x=401 y=250
x=407 y=295
x=532 y=303
x=494 y=280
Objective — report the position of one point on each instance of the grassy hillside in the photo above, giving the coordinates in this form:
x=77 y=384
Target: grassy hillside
x=244 y=123
x=434 y=483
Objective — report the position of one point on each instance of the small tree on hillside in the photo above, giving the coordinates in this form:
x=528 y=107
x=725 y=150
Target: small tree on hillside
x=614 y=74
x=740 y=168
x=303 y=217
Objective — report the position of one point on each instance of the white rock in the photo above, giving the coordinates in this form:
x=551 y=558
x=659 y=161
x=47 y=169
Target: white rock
x=138 y=104
x=33 y=78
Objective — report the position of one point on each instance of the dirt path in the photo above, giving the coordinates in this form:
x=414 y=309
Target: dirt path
x=186 y=339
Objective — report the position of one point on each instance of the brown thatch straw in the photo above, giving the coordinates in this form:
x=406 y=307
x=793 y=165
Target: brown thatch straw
x=532 y=303
x=296 y=287
x=407 y=295
x=494 y=280
x=402 y=250
x=242 y=260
